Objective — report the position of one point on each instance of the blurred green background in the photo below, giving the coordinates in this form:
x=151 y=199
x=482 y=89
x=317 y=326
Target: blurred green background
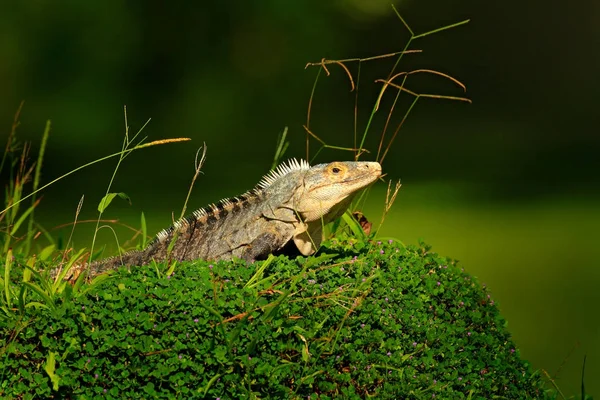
x=507 y=185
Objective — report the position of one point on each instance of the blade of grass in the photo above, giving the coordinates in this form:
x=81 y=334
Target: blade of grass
x=144 y=230
x=282 y=146
x=137 y=147
x=48 y=300
x=63 y=270
x=355 y=227
x=258 y=274
x=7 y=267
x=22 y=218
x=36 y=184
x=27 y=271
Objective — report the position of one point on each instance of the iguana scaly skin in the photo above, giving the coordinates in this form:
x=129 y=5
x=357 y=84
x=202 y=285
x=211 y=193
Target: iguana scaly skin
x=291 y=203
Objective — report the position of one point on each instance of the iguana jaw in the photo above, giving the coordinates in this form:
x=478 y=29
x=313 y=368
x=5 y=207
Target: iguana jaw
x=329 y=188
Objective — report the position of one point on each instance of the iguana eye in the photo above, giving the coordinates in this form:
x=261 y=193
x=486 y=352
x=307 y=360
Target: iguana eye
x=336 y=170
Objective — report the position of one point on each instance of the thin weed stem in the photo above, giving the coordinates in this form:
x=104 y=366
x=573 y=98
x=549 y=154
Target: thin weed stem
x=357 y=153
x=324 y=145
x=198 y=164
x=377 y=57
x=79 y=206
x=89 y=221
x=116 y=239
x=390 y=199
x=9 y=149
x=387 y=122
x=387 y=82
x=553 y=382
x=308 y=113
x=124 y=154
x=398 y=128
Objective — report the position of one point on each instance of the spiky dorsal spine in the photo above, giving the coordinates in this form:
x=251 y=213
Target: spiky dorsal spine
x=204 y=213
x=282 y=170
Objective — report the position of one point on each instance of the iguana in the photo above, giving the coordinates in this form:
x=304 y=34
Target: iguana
x=291 y=203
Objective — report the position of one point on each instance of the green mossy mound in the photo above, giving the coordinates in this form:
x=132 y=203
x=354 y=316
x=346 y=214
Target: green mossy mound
x=359 y=320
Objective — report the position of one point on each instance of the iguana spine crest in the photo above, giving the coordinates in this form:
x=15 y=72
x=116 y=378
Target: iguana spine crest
x=229 y=204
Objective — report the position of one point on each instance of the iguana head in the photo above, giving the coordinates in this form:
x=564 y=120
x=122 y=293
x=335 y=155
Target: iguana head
x=310 y=197
x=324 y=194
x=326 y=190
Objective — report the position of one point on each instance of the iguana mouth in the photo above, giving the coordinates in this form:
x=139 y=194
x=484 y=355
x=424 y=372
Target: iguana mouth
x=370 y=173
x=363 y=176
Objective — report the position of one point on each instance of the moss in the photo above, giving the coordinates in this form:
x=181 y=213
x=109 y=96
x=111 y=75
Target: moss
x=358 y=320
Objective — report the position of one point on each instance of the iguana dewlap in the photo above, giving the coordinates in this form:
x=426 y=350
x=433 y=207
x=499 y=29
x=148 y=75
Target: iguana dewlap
x=291 y=203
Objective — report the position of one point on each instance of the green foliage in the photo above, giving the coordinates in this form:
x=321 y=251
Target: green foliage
x=20 y=174
x=362 y=319
x=106 y=200
x=16 y=157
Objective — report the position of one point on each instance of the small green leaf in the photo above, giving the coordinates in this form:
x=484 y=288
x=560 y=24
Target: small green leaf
x=58 y=284
x=21 y=219
x=36 y=304
x=79 y=290
x=204 y=390
x=144 y=230
x=357 y=230
x=106 y=200
x=45 y=296
x=50 y=367
x=21 y=298
x=171 y=268
x=46 y=252
x=305 y=354
x=7 y=266
x=171 y=245
x=27 y=271
x=125 y=197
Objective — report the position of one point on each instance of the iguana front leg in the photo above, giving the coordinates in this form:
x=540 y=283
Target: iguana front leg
x=308 y=237
x=264 y=244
